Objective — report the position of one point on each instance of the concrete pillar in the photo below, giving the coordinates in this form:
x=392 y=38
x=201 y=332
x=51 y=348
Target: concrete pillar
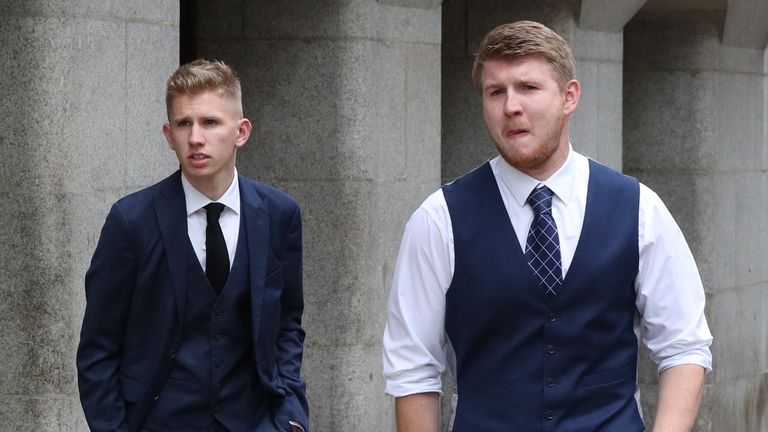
x=695 y=131
x=596 y=125
x=607 y=15
x=344 y=99
x=82 y=106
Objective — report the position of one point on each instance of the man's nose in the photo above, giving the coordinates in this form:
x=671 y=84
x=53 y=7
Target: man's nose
x=512 y=105
x=196 y=134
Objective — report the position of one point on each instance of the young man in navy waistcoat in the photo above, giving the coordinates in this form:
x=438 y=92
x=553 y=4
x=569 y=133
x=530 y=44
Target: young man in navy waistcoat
x=194 y=293
x=534 y=277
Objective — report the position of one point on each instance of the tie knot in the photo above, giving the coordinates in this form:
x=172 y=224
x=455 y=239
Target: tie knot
x=213 y=211
x=541 y=200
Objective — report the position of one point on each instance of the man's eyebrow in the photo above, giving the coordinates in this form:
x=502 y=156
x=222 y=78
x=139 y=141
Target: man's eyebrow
x=493 y=84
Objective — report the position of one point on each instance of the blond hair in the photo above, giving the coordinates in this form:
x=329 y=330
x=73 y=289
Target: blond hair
x=203 y=75
x=522 y=38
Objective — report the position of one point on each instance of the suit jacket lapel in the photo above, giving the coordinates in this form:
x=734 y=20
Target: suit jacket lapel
x=255 y=212
x=171 y=210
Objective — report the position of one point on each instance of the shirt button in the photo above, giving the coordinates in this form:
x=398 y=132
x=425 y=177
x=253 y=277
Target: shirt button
x=551 y=317
x=549 y=415
x=172 y=353
x=551 y=349
x=219 y=314
x=550 y=382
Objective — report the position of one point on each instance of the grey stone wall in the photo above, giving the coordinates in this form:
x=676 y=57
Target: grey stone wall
x=695 y=131
x=344 y=97
x=82 y=106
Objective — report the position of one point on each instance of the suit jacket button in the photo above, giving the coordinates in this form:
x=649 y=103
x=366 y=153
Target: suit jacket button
x=156 y=397
x=172 y=354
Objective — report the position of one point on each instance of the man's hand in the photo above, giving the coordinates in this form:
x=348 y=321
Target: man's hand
x=418 y=412
x=680 y=390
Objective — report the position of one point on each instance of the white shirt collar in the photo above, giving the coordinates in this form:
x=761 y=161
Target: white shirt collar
x=521 y=184
x=196 y=200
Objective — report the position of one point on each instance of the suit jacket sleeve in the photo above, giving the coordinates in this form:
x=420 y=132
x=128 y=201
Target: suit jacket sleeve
x=291 y=334
x=108 y=286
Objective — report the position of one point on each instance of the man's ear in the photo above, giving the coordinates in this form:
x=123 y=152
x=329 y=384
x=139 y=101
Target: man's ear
x=244 y=127
x=572 y=95
x=168 y=136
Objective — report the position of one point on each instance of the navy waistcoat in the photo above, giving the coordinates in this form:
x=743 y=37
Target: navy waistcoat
x=525 y=364
x=213 y=381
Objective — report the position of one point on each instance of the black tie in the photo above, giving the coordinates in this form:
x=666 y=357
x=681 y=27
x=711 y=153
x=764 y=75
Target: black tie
x=217 y=257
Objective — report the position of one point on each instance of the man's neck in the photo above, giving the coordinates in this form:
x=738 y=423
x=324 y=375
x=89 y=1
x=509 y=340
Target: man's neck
x=212 y=188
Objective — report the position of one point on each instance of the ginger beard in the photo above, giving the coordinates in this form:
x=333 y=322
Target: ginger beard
x=535 y=147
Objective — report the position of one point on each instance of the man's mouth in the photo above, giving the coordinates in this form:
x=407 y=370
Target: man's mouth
x=198 y=156
x=513 y=133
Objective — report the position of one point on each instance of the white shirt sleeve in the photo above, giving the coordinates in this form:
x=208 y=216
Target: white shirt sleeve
x=670 y=296
x=415 y=347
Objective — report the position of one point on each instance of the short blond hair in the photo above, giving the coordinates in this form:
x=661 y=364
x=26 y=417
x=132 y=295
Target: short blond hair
x=203 y=75
x=522 y=38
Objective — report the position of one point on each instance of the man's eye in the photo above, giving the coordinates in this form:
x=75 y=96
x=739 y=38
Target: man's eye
x=210 y=122
x=182 y=123
x=496 y=92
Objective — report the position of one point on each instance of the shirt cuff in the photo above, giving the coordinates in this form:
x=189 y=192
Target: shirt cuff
x=701 y=357
x=423 y=380
x=296 y=425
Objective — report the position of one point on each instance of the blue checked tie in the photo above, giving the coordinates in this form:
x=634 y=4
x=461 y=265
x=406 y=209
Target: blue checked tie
x=542 y=248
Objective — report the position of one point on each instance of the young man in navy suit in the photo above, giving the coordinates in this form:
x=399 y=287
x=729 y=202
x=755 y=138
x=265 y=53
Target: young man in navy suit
x=534 y=276
x=194 y=293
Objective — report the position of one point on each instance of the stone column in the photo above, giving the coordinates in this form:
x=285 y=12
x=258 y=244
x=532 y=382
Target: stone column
x=344 y=98
x=695 y=124
x=82 y=106
x=596 y=40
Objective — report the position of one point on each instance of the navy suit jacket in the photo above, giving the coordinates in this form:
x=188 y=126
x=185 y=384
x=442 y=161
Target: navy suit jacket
x=136 y=292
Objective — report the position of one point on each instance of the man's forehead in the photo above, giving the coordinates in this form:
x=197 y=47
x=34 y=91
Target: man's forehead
x=205 y=102
x=533 y=67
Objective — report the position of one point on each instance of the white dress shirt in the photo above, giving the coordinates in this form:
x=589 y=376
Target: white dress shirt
x=197 y=219
x=670 y=296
